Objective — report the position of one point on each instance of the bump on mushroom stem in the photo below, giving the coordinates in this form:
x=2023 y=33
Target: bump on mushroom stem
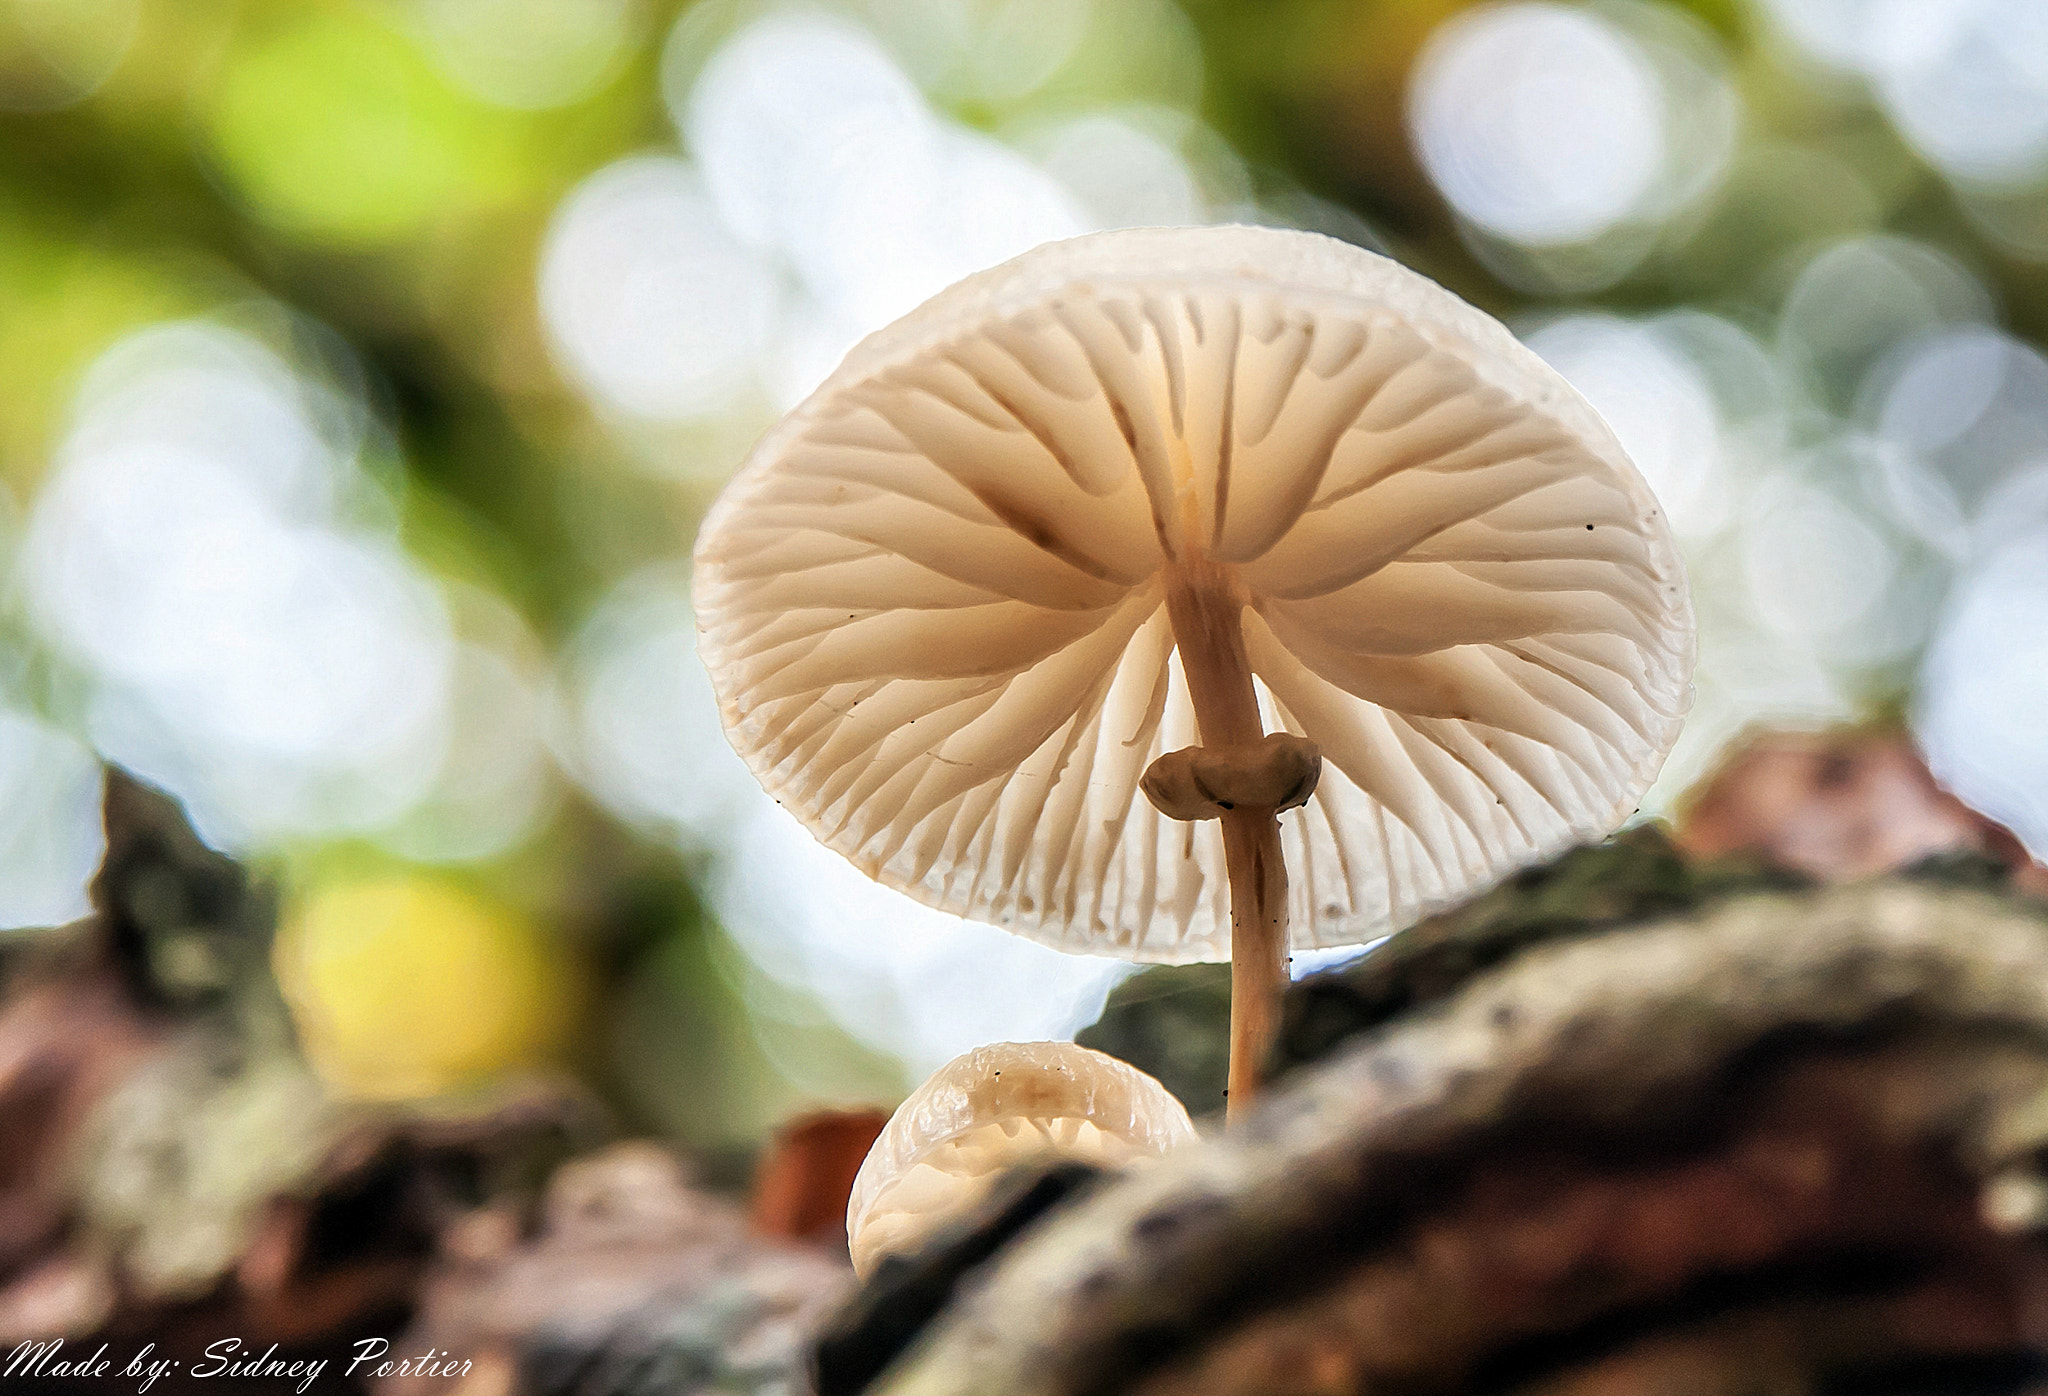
x=1278 y=772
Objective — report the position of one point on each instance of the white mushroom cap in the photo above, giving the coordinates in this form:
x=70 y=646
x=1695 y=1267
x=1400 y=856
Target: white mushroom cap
x=932 y=599
x=988 y=1110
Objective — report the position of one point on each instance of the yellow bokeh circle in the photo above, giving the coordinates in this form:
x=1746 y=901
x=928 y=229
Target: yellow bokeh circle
x=411 y=986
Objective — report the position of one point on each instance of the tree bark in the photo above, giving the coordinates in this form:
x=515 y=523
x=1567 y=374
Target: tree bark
x=1818 y=1110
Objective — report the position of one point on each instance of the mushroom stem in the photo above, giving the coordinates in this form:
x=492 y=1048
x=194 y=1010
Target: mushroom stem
x=1205 y=604
x=1258 y=946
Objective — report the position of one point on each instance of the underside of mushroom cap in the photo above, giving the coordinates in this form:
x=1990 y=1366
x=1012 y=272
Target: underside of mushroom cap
x=932 y=601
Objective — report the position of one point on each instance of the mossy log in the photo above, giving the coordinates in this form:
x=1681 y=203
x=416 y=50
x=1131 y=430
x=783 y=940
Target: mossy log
x=1786 y=1141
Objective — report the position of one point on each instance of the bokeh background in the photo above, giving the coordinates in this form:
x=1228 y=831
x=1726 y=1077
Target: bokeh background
x=365 y=366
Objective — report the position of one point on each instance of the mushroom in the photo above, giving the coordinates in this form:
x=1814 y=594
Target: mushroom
x=988 y=1111
x=1250 y=518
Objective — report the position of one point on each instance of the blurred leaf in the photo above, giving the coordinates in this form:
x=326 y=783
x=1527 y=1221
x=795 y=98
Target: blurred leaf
x=336 y=128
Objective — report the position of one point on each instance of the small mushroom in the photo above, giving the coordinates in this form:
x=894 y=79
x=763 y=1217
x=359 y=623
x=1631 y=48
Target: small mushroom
x=1176 y=488
x=984 y=1113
